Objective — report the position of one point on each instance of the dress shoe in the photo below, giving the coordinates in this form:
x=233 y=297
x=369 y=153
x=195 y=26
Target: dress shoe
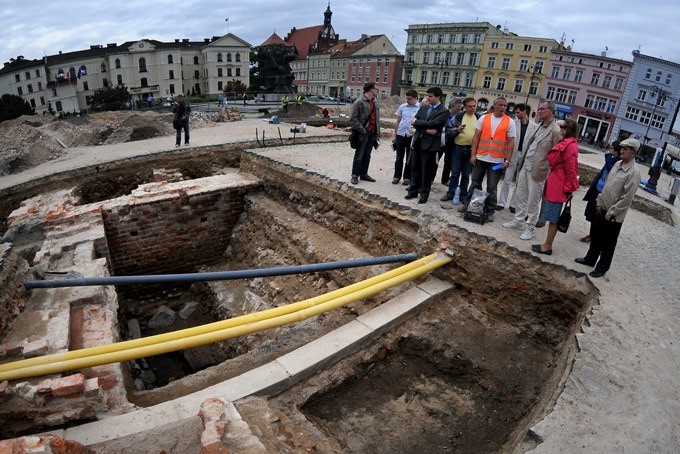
x=406 y=182
x=422 y=199
x=367 y=178
x=489 y=217
x=354 y=180
x=410 y=196
x=583 y=261
x=395 y=180
x=585 y=239
x=537 y=249
x=512 y=210
x=499 y=207
x=446 y=197
x=596 y=273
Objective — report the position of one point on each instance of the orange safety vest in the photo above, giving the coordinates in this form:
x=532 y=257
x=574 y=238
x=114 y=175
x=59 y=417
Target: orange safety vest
x=492 y=144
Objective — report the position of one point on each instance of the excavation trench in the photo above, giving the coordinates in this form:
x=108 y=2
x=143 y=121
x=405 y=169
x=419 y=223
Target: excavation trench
x=469 y=372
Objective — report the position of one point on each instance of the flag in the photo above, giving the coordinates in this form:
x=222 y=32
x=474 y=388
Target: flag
x=226 y=20
x=68 y=75
x=80 y=72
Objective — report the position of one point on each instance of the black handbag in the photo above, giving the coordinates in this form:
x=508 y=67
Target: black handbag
x=354 y=140
x=565 y=218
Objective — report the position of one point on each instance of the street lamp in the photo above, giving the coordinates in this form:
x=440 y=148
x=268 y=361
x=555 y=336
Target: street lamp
x=657 y=161
x=533 y=70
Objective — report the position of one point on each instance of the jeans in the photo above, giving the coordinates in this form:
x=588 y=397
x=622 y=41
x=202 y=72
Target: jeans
x=178 y=138
x=403 y=149
x=460 y=169
x=362 y=155
x=479 y=170
x=447 y=150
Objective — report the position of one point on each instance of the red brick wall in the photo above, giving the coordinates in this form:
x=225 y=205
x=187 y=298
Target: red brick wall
x=171 y=234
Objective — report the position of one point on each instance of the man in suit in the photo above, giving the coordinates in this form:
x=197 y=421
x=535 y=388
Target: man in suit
x=428 y=122
x=525 y=129
x=492 y=146
x=533 y=171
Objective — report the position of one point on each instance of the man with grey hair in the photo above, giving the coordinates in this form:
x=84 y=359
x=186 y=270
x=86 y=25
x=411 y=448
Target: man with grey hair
x=533 y=171
x=611 y=207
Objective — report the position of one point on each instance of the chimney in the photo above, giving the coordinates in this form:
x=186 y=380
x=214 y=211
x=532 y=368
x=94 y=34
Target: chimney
x=176 y=40
x=185 y=40
x=111 y=45
x=206 y=40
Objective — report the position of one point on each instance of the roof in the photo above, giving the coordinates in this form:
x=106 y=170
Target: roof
x=302 y=38
x=274 y=39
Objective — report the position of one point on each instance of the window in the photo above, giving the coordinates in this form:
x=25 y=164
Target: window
x=105 y=82
x=509 y=46
x=477 y=39
x=645 y=117
x=658 y=76
x=452 y=38
x=219 y=57
x=590 y=100
x=426 y=58
x=423 y=77
x=506 y=63
x=607 y=81
x=20 y=91
x=533 y=88
x=466 y=38
x=619 y=84
x=658 y=121
x=197 y=74
x=42 y=100
x=385 y=78
x=668 y=78
x=117 y=63
x=527 y=48
x=428 y=40
x=17 y=78
x=501 y=83
x=487 y=82
x=561 y=95
x=440 y=39
x=611 y=106
x=538 y=67
x=550 y=94
x=524 y=65
x=519 y=85
x=142 y=65
x=579 y=76
x=119 y=79
x=37 y=73
x=238 y=71
x=648 y=74
x=543 y=49
x=170 y=60
x=219 y=72
x=27 y=74
x=435 y=76
x=468 y=80
x=494 y=45
x=460 y=58
x=40 y=86
x=195 y=60
x=445 y=78
x=449 y=58
x=144 y=82
x=377 y=78
x=58 y=106
x=555 y=72
x=437 y=58
x=33 y=103
x=229 y=74
x=171 y=74
x=86 y=86
x=220 y=85
x=54 y=92
x=491 y=62
x=595 y=79
x=378 y=63
x=414 y=39
x=30 y=88
x=238 y=56
x=473 y=58
x=456 y=79
x=228 y=56
x=103 y=67
x=566 y=75
x=571 y=97
x=600 y=103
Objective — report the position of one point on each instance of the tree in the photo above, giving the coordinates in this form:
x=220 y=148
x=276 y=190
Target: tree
x=235 y=85
x=13 y=106
x=256 y=76
x=110 y=98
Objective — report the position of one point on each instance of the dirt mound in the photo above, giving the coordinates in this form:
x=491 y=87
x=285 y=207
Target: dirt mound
x=31 y=140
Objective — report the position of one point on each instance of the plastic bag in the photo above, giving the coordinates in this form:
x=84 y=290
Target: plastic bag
x=477 y=202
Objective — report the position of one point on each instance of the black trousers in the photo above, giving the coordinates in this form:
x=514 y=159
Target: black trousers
x=603 y=239
x=423 y=169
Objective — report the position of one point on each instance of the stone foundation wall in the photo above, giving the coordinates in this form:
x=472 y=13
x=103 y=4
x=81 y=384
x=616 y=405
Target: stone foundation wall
x=12 y=274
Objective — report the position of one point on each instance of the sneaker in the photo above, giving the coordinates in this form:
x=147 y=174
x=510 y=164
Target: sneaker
x=528 y=234
x=354 y=180
x=406 y=182
x=489 y=217
x=367 y=178
x=499 y=207
x=513 y=225
x=395 y=180
x=446 y=197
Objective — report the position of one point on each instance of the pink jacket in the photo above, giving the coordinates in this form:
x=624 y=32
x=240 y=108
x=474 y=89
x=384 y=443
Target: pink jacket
x=563 y=177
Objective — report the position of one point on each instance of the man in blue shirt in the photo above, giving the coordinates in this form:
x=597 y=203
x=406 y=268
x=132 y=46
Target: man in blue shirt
x=402 y=137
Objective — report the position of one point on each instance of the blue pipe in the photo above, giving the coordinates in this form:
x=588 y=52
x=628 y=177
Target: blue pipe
x=219 y=275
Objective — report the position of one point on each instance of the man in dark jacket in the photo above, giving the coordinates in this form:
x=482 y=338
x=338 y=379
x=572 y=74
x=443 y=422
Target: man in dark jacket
x=182 y=110
x=364 y=120
x=427 y=142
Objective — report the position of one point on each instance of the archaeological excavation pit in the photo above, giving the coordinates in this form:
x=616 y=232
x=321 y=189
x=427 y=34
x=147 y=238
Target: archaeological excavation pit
x=470 y=370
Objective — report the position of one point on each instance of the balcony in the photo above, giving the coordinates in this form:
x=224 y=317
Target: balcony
x=408 y=64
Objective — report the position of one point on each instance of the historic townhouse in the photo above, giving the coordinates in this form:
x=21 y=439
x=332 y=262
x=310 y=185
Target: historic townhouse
x=513 y=67
x=447 y=55
x=588 y=88
x=148 y=68
x=650 y=103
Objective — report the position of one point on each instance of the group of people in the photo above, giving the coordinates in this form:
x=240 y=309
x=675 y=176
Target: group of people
x=541 y=154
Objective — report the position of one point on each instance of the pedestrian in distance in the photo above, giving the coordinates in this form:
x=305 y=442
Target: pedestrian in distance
x=611 y=207
x=182 y=112
x=455 y=107
x=561 y=184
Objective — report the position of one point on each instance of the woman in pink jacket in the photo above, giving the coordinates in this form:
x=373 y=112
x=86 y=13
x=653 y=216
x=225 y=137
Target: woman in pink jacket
x=562 y=182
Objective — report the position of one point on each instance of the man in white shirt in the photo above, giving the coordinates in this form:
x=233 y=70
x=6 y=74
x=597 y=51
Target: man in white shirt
x=402 y=137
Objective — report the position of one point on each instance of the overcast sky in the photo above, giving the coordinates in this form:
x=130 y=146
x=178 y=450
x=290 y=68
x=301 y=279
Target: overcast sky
x=42 y=27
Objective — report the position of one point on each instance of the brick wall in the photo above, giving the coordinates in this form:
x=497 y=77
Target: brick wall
x=174 y=230
x=12 y=275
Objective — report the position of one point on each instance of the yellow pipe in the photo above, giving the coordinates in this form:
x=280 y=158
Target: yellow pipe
x=220 y=335
x=236 y=321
